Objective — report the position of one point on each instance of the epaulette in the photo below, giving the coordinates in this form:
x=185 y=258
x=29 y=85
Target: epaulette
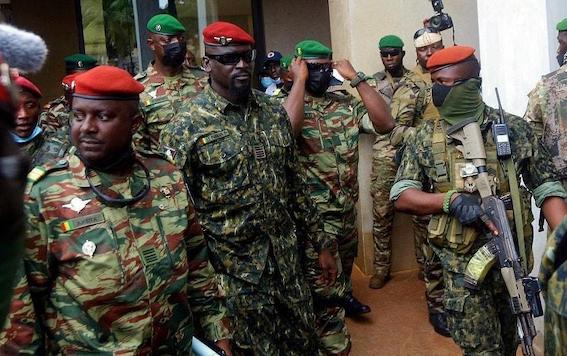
x=151 y=154
x=379 y=76
x=39 y=172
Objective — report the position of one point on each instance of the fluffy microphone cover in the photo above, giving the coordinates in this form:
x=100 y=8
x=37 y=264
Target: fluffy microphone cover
x=21 y=49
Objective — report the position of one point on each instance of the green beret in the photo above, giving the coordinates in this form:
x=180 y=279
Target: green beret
x=165 y=24
x=79 y=61
x=390 y=41
x=312 y=49
x=562 y=25
x=285 y=62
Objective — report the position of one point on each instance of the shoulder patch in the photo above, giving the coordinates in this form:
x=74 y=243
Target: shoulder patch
x=379 y=76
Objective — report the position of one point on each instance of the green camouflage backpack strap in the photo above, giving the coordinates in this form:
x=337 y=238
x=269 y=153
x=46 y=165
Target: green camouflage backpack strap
x=440 y=158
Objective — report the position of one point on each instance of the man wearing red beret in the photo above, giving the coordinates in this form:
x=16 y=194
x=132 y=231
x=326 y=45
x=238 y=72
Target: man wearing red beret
x=480 y=321
x=115 y=262
x=27 y=133
x=236 y=148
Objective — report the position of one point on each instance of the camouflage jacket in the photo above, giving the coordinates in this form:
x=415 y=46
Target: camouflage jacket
x=386 y=86
x=243 y=173
x=55 y=116
x=411 y=104
x=531 y=160
x=547 y=111
x=46 y=148
x=163 y=99
x=111 y=280
x=553 y=275
x=328 y=148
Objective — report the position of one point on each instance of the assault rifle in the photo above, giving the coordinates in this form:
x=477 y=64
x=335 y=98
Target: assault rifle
x=522 y=289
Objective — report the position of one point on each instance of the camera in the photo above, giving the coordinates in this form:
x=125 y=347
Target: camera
x=441 y=21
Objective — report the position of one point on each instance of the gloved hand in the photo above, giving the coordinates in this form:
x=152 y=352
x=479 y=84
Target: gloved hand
x=466 y=208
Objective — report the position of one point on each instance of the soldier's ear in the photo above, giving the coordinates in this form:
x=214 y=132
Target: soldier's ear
x=206 y=64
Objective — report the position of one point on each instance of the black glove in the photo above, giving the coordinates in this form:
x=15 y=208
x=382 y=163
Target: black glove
x=466 y=208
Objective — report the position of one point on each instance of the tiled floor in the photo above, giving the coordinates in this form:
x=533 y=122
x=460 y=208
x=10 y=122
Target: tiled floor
x=398 y=324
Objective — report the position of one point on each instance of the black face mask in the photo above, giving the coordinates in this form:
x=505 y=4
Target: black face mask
x=438 y=93
x=174 y=54
x=318 y=82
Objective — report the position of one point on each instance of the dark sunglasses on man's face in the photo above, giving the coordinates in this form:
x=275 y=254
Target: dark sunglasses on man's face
x=392 y=52
x=320 y=67
x=233 y=58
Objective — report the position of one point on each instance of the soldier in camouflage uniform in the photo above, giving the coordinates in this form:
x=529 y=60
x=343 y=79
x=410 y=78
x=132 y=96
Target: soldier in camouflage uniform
x=237 y=151
x=115 y=262
x=169 y=83
x=54 y=120
x=411 y=105
x=547 y=107
x=553 y=281
x=29 y=136
x=329 y=154
x=383 y=166
x=480 y=322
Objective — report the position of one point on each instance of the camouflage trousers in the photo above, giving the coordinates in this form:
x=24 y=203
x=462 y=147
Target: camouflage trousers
x=555 y=333
x=480 y=322
x=270 y=318
x=383 y=176
x=334 y=338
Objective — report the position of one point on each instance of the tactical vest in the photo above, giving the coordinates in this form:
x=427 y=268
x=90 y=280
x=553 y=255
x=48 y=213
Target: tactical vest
x=555 y=123
x=424 y=108
x=448 y=171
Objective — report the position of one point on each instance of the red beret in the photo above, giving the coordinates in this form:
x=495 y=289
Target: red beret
x=26 y=84
x=106 y=83
x=224 y=34
x=68 y=79
x=448 y=56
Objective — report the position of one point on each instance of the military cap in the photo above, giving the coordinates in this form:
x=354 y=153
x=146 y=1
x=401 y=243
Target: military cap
x=106 y=83
x=285 y=61
x=312 y=49
x=222 y=33
x=562 y=25
x=27 y=85
x=79 y=61
x=165 y=24
x=390 y=41
x=68 y=79
x=449 y=56
x=272 y=56
x=424 y=37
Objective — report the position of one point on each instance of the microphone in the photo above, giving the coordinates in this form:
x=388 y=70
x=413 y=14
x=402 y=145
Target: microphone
x=21 y=49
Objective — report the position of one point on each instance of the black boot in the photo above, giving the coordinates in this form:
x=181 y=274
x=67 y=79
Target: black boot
x=353 y=307
x=439 y=323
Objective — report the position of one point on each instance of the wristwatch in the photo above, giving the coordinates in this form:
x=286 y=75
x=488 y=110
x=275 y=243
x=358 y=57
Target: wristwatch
x=359 y=78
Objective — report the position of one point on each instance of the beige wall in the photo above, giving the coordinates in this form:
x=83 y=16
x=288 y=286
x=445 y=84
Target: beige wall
x=288 y=22
x=55 y=22
x=356 y=27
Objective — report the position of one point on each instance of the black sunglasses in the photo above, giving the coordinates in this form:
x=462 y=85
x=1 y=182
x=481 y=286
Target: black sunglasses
x=234 y=58
x=320 y=67
x=391 y=52
x=421 y=31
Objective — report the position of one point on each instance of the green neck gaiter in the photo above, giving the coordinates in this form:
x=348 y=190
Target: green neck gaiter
x=463 y=102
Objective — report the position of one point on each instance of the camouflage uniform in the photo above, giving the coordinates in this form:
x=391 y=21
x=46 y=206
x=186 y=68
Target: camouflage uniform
x=45 y=148
x=250 y=194
x=111 y=280
x=55 y=116
x=328 y=148
x=479 y=321
x=410 y=107
x=553 y=281
x=547 y=111
x=384 y=170
x=163 y=99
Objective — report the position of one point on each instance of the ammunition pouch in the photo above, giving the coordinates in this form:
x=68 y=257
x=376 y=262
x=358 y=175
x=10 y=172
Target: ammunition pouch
x=447 y=232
